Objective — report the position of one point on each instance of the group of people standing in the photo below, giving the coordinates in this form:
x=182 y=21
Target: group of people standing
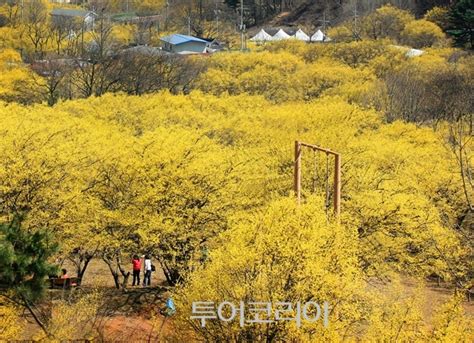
x=148 y=268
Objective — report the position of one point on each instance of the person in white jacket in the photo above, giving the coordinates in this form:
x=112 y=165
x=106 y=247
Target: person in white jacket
x=147 y=270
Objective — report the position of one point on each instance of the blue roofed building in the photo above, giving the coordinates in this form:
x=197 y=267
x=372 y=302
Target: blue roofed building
x=183 y=44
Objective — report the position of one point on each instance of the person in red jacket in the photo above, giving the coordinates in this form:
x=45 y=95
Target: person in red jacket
x=137 y=265
x=64 y=274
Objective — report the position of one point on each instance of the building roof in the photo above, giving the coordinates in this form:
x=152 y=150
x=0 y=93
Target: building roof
x=209 y=40
x=135 y=18
x=124 y=16
x=70 y=12
x=145 y=50
x=176 y=39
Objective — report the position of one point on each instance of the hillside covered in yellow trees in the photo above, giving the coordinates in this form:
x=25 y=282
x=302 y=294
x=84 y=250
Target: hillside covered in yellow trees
x=189 y=162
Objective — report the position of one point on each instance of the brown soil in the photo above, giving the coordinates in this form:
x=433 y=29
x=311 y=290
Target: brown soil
x=136 y=329
x=129 y=317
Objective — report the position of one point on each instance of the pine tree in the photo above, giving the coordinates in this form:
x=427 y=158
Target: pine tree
x=24 y=261
x=462 y=23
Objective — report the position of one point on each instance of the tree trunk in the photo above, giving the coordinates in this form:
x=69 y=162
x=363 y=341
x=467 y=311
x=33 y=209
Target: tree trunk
x=112 y=271
x=117 y=270
x=81 y=261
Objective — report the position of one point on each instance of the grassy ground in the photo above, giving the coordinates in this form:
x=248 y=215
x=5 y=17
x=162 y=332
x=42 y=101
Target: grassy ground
x=98 y=274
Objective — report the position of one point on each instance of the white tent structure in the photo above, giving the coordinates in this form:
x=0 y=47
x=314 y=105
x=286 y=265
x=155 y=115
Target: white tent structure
x=280 y=35
x=300 y=35
x=261 y=36
x=319 y=36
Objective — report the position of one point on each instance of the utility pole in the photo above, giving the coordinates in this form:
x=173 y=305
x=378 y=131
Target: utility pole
x=190 y=12
x=355 y=14
x=166 y=14
x=355 y=30
x=242 y=28
x=324 y=21
x=217 y=18
x=82 y=39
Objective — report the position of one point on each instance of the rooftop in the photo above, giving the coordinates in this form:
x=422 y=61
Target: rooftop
x=124 y=16
x=145 y=50
x=177 y=39
x=69 y=12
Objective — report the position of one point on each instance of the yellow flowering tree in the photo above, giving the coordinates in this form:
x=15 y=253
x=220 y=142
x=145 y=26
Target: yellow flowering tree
x=10 y=321
x=284 y=253
x=18 y=83
x=422 y=34
x=386 y=22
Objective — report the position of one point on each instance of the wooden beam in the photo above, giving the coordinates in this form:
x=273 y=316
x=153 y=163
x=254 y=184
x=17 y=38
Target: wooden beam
x=337 y=173
x=337 y=185
x=297 y=175
x=315 y=147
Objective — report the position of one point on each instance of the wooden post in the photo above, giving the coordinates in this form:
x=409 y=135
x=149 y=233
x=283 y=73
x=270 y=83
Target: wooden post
x=337 y=173
x=297 y=181
x=337 y=185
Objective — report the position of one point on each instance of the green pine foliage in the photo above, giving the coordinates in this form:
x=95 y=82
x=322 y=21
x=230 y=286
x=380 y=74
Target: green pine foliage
x=24 y=260
x=462 y=23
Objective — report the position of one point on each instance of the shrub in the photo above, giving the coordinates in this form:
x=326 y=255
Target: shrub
x=284 y=240
x=341 y=33
x=422 y=34
x=10 y=327
x=386 y=22
x=353 y=54
x=439 y=16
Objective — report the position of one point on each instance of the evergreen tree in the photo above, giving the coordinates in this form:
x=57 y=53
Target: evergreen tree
x=24 y=261
x=462 y=23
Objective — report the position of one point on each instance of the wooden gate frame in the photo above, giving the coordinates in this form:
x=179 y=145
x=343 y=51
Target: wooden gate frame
x=337 y=173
